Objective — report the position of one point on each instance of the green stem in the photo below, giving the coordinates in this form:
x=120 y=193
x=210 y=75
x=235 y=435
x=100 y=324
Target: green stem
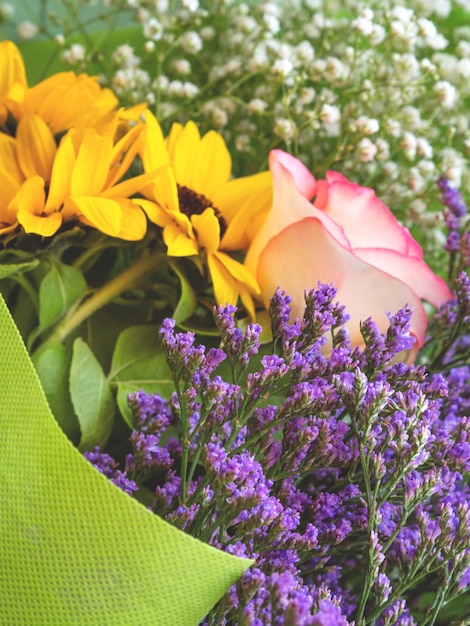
x=126 y=280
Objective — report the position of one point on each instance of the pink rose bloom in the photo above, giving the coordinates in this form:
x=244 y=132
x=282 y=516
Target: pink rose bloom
x=348 y=237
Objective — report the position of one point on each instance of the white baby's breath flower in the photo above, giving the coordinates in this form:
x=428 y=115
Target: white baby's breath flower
x=367 y=125
x=182 y=67
x=257 y=106
x=124 y=56
x=191 y=42
x=191 y=5
x=383 y=149
x=6 y=10
x=27 y=29
x=377 y=35
x=149 y=47
x=367 y=150
x=285 y=129
x=304 y=52
x=392 y=127
x=391 y=170
x=153 y=29
x=282 y=67
x=74 y=54
x=445 y=93
x=271 y=23
x=329 y=114
x=306 y=95
x=424 y=148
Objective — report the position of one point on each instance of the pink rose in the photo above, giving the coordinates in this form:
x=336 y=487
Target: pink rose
x=348 y=237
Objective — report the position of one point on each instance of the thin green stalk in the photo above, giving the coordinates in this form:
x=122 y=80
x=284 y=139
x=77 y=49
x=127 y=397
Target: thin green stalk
x=124 y=281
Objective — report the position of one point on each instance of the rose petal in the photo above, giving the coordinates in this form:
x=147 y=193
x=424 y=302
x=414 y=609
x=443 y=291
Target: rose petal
x=367 y=221
x=304 y=179
x=305 y=253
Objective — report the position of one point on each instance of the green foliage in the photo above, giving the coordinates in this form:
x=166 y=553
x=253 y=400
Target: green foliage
x=138 y=363
x=91 y=397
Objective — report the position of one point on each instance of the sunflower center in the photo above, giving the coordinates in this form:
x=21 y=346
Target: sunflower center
x=192 y=203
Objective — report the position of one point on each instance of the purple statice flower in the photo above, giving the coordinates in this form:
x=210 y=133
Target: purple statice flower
x=105 y=464
x=342 y=476
x=451 y=198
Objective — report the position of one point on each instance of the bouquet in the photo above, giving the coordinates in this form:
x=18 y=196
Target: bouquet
x=234 y=256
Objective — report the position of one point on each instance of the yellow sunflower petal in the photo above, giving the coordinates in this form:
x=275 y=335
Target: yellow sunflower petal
x=175 y=131
x=153 y=149
x=13 y=82
x=12 y=68
x=104 y=214
x=212 y=166
x=10 y=187
x=30 y=197
x=8 y=157
x=61 y=175
x=155 y=213
x=36 y=147
x=244 y=204
x=225 y=286
x=178 y=242
x=185 y=154
x=44 y=225
x=92 y=164
x=134 y=222
x=239 y=272
x=124 y=152
x=207 y=229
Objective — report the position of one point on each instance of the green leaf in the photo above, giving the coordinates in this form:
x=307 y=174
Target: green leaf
x=91 y=397
x=52 y=363
x=187 y=302
x=139 y=363
x=10 y=269
x=62 y=287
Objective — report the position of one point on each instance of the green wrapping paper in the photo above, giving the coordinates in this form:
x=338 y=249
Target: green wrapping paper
x=75 y=549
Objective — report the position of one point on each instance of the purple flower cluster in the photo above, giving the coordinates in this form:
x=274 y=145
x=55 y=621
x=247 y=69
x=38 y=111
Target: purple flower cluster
x=341 y=475
x=455 y=216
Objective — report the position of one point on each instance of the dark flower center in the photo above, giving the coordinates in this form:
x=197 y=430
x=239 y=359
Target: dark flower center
x=192 y=203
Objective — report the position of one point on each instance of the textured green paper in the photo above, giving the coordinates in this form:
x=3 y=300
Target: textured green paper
x=74 y=549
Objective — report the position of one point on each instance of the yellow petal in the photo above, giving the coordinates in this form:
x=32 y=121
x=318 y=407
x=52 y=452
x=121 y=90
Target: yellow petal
x=185 y=154
x=44 y=225
x=134 y=222
x=213 y=165
x=66 y=100
x=153 y=149
x=156 y=214
x=13 y=82
x=207 y=229
x=123 y=155
x=8 y=157
x=12 y=68
x=239 y=272
x=92 y=164
x=172 y=138
x=61 y=175
x=244 y=204
x=103 y=214
x=225 y=286
x=36 y=147
x=178 y=242
x=30 y=197
x=9 y=186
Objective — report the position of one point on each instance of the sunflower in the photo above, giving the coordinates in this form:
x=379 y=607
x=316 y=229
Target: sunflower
x=76 y=181
x=201 y=209
x=63 y=101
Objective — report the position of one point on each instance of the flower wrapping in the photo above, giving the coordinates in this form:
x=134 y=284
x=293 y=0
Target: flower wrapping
x=65 y=558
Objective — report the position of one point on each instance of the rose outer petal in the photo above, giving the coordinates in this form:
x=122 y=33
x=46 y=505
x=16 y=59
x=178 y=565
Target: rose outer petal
x=304 y=254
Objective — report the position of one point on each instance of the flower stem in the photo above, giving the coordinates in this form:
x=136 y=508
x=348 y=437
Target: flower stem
x=126 y=280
